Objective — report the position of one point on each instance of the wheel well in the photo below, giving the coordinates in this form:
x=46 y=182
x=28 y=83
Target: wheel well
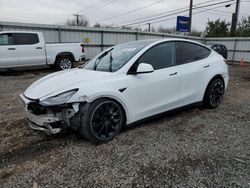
x=218 y=76
x=122 y=107
x=65 y=54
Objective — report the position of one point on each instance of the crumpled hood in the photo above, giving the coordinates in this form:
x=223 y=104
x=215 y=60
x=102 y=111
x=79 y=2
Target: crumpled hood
x=63 y=80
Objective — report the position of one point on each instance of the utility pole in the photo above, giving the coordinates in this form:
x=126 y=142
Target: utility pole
x=77 y=18
x=190 y=15
x=149 y=28
x=235 y=16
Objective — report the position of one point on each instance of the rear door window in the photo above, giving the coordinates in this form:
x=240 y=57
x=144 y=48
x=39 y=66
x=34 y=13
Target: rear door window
x=6 y=39
x=187 y=52
x=26 y=38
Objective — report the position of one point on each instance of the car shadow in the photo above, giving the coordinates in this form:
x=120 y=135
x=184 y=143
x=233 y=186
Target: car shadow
x=166 y=116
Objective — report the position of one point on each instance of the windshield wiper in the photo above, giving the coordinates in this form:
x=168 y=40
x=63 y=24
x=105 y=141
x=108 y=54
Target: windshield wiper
x=98 y=59
x=110 y=62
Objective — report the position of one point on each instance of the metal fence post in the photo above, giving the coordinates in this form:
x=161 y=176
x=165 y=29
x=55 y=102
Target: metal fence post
x=102 y=44
x=59 y=35
x=235 y=43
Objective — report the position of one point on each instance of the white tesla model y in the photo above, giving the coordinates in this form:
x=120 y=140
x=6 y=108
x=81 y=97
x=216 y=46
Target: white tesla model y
x=124 y=84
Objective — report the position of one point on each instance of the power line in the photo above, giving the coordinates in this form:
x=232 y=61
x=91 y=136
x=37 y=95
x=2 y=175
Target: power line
x=134 y=10
x=230 y=13
x=179 y=9
x=173 y=18
x=174 y=13
x=171 y=11
x=98 y=7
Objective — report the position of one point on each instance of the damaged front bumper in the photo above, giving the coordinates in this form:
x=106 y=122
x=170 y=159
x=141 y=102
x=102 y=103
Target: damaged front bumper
x=50 y=119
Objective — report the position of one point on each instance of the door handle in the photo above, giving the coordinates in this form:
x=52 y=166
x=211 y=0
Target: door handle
x=11 y=48
x=39 y=48
x=173 y=74
x=206 y=66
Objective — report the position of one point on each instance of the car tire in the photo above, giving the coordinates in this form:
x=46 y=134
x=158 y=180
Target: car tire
x=102 y=121
x=64 y=62
x=214 y=93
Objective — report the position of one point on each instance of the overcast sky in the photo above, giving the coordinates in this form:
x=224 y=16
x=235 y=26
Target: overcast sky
x=107 y=11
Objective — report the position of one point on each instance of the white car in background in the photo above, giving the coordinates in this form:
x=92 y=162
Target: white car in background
x=23 y=48
x=125 y=84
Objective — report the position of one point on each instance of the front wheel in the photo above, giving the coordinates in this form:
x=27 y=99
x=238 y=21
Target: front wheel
x=104 y=120
x=214 y=93
x=64 y=62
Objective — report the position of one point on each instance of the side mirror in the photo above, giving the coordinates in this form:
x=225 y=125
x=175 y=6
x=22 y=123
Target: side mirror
x=144 y=68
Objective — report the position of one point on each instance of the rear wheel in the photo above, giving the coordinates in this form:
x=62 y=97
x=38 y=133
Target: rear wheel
x=64 y=62
x=104 y=120
x=214 y=93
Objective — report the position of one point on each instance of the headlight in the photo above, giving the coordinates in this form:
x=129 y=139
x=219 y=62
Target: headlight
x=59 y=99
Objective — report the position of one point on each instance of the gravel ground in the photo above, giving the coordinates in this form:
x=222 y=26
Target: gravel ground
x=192 y=148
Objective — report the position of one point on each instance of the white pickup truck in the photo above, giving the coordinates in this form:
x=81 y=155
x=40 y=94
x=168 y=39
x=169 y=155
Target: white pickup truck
x=19 y=49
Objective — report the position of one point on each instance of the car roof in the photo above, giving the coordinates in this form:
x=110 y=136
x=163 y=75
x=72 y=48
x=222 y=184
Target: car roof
x=157 y=41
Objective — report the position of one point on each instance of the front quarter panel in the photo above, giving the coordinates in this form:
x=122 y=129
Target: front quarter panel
x=104 y=89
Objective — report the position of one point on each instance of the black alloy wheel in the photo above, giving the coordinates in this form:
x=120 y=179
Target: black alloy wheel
x=106 y=120
x=102 y=121
x=214 y=93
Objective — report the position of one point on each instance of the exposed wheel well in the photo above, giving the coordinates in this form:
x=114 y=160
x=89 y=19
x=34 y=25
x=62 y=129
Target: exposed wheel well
x=65 y=54
x=218 y=76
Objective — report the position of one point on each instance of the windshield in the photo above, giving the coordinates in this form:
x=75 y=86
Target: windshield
x=114 y=58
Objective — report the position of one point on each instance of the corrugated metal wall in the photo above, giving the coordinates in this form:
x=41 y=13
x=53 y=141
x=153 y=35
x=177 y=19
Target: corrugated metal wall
x=238 y=48
x=101 y=38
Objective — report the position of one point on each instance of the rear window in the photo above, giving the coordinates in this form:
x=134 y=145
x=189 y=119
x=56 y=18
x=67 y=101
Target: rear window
x=187 y=52
x=26 y=38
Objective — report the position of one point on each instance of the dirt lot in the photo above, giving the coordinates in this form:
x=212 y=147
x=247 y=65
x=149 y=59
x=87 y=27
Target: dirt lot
x=193 y=148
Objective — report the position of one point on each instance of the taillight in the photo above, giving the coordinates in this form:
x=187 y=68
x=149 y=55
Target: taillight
x=82 y=45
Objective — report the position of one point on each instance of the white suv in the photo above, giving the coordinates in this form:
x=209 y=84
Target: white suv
x=124 y=84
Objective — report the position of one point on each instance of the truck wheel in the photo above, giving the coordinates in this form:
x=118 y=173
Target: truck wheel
x=103 y=120
x=64 y=62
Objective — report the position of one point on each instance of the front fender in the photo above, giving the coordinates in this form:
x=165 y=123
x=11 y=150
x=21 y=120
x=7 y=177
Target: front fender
x=116 y=97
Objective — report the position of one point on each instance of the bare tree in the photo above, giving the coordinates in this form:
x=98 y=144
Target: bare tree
x=162 y=29
x=97 y=25
x=80 y=20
